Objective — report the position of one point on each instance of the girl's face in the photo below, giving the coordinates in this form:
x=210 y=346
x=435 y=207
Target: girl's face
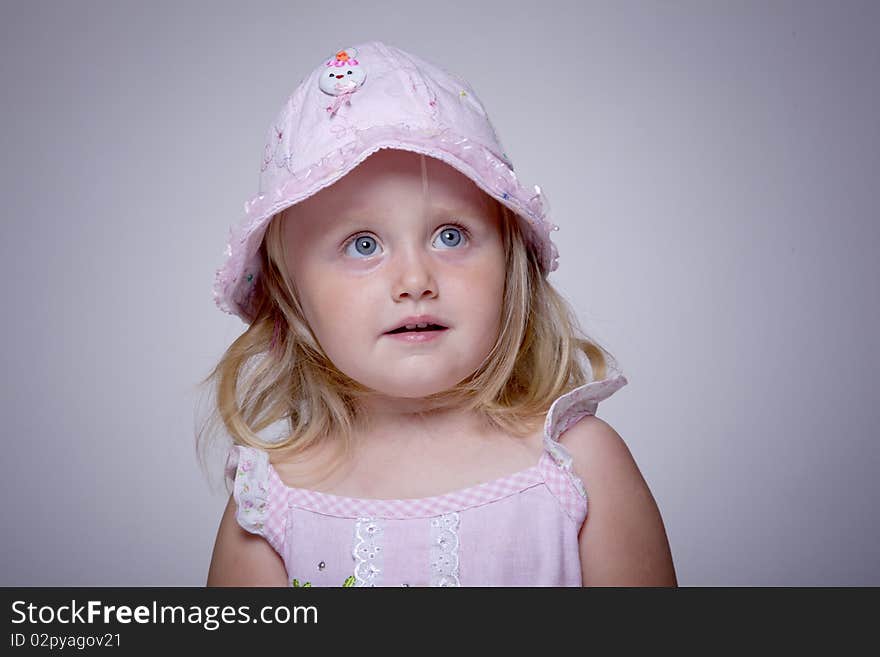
x=377 y=247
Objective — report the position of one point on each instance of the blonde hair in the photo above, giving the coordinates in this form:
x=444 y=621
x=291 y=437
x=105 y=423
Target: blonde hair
x=266 y=376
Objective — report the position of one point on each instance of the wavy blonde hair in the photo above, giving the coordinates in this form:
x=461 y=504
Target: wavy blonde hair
x=268 y=376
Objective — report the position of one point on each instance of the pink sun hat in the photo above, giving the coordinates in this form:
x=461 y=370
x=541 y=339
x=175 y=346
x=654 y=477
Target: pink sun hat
x=353 y=103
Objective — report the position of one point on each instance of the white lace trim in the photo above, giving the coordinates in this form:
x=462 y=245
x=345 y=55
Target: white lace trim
x=563 y=459
x=367 y=552
x=444 y=550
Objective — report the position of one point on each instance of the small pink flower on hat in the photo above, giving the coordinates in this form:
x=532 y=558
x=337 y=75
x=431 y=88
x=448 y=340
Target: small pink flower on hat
x=341 y=76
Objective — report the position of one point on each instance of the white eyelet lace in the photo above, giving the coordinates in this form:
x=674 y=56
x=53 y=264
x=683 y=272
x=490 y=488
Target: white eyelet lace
x=367 y=552
x=444 y=550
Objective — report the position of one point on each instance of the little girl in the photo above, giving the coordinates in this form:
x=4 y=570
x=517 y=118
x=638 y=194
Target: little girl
x=438 y=403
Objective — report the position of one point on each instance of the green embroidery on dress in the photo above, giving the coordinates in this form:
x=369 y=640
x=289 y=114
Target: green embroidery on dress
x=349 y=581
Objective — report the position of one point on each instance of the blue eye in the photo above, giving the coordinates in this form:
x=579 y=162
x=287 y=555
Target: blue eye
x=452 y=236
x=364 y=244
x=454 y=233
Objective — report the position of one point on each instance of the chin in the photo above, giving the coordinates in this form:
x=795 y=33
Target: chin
x=414 y=391
x=413 y=388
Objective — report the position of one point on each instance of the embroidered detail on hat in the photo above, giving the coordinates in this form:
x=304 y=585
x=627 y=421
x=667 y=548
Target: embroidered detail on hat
x=471 y=102
x=270 y=150
x=342 y=76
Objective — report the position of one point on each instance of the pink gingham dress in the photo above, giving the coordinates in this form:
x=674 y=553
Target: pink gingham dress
x=518 y=530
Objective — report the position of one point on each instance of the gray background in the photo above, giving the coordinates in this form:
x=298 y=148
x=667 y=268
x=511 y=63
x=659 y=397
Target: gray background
x=714 y=169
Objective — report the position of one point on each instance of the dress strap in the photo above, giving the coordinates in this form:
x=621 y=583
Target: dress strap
x=566 y=411
x=583 y=400
x=261 y=499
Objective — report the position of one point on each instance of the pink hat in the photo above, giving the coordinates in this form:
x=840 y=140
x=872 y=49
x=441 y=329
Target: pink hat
x=359 y=100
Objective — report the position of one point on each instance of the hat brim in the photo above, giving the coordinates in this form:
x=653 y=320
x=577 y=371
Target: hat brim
x=235 y=281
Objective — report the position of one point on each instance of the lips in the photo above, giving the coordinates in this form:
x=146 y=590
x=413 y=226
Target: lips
x=429 y=327
x=427 y=322
x=422 y=337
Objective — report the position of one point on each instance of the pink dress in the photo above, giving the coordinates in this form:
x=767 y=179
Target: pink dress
x=519 y=530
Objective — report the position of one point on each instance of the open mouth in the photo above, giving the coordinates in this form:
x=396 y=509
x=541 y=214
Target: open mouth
x=429 y=327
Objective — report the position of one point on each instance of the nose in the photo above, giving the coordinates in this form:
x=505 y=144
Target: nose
x=415 y=279
x=340 y=76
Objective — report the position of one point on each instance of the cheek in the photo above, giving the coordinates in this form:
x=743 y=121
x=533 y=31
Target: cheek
x=337 y=308
x=483 y=290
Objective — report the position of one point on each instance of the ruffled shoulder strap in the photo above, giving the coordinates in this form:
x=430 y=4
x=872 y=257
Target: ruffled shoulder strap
x=566 y=411
x=260 y=496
